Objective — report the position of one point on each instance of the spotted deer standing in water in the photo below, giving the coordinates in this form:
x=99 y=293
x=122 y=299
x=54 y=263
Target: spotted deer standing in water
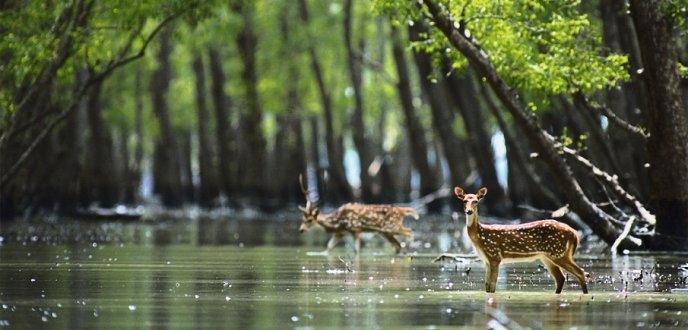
x=550 y=241
x=354 y=219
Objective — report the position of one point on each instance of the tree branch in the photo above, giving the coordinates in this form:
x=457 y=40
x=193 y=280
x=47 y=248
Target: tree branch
x=613 y=182
x=142 y=50
x=81 y=91
x=624 y=235
x=605 y=111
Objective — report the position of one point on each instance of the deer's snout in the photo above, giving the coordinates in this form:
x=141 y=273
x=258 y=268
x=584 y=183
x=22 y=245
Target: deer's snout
x=469 y=211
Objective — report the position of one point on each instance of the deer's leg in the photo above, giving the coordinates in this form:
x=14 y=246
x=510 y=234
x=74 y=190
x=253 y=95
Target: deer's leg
x=357 y=242
x=333 y=242
x=555 y=271
x=491 y=272
x=393 y=240
x=404 y=231
x=571 y=267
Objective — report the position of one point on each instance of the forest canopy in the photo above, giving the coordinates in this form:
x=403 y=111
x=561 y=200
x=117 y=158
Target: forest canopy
x=576 y=106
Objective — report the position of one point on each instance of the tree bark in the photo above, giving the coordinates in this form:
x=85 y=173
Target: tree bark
x=668 y=143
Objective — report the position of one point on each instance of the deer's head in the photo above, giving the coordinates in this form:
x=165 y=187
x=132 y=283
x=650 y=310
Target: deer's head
x=310 y=211
x=470 y=201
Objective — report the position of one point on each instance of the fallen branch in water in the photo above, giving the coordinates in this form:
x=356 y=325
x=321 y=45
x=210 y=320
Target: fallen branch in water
x=624 y=235
x=612 y=181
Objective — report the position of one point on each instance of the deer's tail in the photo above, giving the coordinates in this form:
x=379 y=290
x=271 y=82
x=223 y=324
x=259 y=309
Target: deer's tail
x=412 y=212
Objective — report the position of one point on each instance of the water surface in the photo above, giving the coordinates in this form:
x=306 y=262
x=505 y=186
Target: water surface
x=208 y=273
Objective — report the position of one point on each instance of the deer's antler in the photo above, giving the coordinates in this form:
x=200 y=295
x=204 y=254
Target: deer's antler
x=306 y=193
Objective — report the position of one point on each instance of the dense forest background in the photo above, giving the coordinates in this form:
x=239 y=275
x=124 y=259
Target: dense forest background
x=575 y=106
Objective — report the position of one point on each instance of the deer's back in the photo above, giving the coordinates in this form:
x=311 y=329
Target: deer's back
x=369 y=217
x=545 y=236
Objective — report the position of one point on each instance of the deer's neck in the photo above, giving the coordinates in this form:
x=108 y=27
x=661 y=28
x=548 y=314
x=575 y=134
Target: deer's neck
x=327 y=221
x=473 y=227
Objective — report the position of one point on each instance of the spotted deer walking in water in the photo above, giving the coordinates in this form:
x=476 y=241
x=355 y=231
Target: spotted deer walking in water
x=354 y=219
x=550 y=241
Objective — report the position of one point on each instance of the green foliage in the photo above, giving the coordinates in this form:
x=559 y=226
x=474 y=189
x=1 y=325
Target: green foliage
x=46 y=40
x=678 y=11
x=25 y=45
x=540 y=47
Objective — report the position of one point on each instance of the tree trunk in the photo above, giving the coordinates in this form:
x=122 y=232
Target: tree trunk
x=414 y=129
x=185 y=157
x=226 y=144
x=294 y=147
x=622 y=101
x=666 y=118
x=480 y=140
x=443 y=119
x=534 y=191
x=338 y=186
x=102 y=182
x=357 y=123
x=166 y=165
x=137 y=170
x=253 y=171
x=208 y=188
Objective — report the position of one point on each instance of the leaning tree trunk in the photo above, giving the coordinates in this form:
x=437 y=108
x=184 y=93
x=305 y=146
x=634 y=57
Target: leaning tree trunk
x=666 y=118
x=414 y=129
x=208 y=188
x=598 y=220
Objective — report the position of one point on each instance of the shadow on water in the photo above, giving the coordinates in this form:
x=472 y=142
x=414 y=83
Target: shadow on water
x=239 y=273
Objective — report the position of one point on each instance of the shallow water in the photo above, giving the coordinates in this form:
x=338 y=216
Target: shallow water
x=260 y=274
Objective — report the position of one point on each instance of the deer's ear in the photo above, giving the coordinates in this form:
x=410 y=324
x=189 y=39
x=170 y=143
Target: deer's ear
x=482 y=192
x=459 y=193
x=303 y=209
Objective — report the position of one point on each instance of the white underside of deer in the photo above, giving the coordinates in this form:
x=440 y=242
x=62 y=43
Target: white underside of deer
x=550 y=241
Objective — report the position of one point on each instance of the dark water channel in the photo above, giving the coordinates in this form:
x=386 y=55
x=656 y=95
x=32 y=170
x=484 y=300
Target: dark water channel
x=259 y=274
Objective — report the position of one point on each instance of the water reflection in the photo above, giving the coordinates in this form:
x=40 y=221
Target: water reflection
x=258 y=274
